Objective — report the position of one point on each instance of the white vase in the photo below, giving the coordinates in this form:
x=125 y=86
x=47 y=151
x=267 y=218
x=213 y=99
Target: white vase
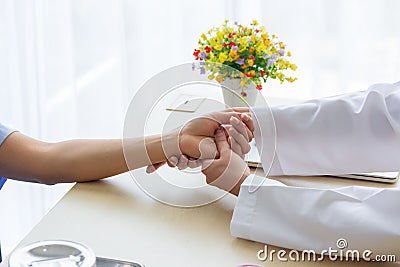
x=232 y=90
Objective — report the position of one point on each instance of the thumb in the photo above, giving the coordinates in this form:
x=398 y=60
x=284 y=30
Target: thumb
x=205 y=163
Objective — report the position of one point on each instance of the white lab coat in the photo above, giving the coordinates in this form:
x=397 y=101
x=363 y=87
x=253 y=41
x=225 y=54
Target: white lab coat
x=351 y=133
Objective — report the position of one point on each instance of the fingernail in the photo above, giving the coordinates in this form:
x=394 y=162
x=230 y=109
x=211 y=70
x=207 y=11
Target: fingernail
x=235 y=120
x=173 y=160
x=150 y=169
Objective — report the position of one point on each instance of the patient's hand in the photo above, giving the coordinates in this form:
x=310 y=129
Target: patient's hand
x=228 y=171
x=195 y=140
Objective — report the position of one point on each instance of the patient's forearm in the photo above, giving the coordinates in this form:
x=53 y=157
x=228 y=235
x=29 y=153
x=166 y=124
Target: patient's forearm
x=85 y=160
x=27 y=159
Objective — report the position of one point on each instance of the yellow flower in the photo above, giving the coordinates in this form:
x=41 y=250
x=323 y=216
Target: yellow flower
x=251 y=50
x=290 y=79
x=267 y=42
x=243 y=83
x=264 y=36
x=211 y=76
x=255 y=22
x=228 y=30
x=293 y=66
x=261 y=47
x=222 y=57
x=280 y=76
x=250 y=62
x=242 y=48
x=234 y=55
x=218 y=47
x=282 y=64
x=220 y=35
x=203 y=36
x=243 y=41
x=214 y=41
x=289 y=54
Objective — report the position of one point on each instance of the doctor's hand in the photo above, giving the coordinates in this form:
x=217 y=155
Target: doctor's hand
x=202 y=129
x=195 y=140
x=237 y=138
x=228 y=171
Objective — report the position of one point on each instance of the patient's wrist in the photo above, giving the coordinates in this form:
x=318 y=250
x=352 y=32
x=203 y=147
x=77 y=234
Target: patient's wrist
x=170 y=144
x=160 y=148
x=236 y=189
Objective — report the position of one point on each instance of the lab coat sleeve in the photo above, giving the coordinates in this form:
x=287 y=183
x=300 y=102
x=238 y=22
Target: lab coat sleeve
x=267 y=211
x=352 y=133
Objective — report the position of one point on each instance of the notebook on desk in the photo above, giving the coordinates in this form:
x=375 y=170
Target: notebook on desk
x=253 y=160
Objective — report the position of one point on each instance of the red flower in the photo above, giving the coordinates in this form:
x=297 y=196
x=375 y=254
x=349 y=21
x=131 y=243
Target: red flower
x=252 y=57
x=232 y=44
x=244 y=94
x=259 y=86
x=251 y=74
x=257 y=30
x=196 y=53
x=208 y=49
x=262 y=73
x=224 y=44
x=231 y=34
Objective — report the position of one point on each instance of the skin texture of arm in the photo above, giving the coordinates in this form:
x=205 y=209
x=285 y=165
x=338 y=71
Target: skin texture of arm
x=26 y=159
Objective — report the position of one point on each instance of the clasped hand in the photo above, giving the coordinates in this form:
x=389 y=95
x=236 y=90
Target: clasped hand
x=218 y=142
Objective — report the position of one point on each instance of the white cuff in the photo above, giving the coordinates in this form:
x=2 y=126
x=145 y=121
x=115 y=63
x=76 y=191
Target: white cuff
x=242 y=219
x=265 y=136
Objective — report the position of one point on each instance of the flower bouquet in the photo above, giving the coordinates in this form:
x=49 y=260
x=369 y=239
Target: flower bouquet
x=250 y=54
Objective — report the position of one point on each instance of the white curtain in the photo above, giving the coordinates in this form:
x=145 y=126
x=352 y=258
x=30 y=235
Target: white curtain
x=68 y=68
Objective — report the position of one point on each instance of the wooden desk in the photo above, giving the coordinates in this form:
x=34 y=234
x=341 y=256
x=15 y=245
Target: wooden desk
x=116 y=219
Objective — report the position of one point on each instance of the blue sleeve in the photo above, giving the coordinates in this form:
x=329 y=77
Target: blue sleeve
x=4 y=133
x=2 y=181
